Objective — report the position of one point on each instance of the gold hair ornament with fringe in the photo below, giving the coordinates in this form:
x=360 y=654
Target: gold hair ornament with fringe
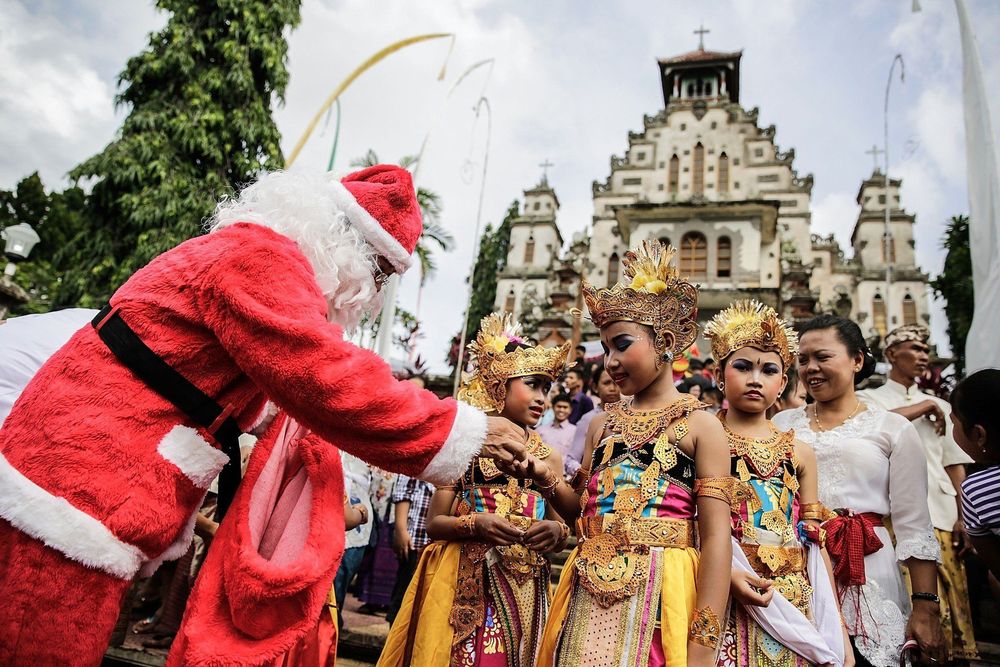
x=749 y=323
x=486 y=387
x=655 y=295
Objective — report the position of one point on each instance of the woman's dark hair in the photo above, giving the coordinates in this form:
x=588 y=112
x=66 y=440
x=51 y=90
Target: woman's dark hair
x=974 y=401
x=516 y=346
x=850 y=335
x=595 y=377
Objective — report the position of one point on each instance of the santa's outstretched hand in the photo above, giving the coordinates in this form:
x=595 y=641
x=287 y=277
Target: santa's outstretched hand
x=504 y=443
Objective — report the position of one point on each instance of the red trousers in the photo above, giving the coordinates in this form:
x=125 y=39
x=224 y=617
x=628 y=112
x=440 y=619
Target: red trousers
x=53 y=611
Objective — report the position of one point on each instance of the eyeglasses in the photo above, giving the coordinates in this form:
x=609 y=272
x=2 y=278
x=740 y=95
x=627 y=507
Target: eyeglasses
x=380 y=276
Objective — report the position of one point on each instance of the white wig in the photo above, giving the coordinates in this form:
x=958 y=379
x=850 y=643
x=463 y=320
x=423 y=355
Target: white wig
x=301 y=206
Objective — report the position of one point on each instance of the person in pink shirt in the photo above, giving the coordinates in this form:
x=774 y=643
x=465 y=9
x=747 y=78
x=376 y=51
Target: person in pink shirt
x=559 y=434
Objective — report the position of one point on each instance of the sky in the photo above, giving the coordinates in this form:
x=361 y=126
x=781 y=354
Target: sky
x=569 y=80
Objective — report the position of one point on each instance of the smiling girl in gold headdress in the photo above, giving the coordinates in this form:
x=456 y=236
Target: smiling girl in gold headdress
x=480 y=592
x=636 y=591
x=784 y=610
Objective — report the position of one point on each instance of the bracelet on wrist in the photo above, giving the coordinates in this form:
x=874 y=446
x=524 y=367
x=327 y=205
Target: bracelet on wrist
x=929 y=597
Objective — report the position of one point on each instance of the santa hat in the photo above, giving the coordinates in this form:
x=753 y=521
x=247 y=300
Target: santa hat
x=381 y=203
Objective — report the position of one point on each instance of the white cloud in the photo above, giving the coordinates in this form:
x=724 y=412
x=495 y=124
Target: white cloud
x=835 y=213
x=570 y=81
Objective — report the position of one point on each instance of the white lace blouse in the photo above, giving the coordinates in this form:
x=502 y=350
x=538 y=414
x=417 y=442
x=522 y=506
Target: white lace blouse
x=874 y=462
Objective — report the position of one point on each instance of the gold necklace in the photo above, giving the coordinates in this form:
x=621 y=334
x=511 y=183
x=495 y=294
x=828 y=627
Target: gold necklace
x=764 y=454
x=819 y=424
x=637 y=427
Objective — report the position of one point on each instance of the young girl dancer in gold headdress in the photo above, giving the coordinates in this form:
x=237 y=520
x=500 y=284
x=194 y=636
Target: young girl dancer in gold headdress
x=480 y=592
x=784 y=610
x=636 y=591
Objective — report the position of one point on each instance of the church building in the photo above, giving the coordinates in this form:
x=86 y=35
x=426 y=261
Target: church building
x=702 y=175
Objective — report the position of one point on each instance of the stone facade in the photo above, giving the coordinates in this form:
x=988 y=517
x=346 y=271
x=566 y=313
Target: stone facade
x=703 y=176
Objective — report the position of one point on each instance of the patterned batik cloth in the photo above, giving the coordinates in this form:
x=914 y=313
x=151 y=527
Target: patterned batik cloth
x=469 y=603
x=650 y=626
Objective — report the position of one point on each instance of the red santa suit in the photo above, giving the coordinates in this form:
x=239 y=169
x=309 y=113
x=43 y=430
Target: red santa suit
x=100 y=476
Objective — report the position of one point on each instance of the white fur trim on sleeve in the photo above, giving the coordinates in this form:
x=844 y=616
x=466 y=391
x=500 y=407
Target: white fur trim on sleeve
x=383 y=242
x=70 y=531
x=468 y=433
x=199 y=461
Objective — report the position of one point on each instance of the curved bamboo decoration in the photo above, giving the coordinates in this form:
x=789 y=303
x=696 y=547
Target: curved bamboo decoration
x=372 y=60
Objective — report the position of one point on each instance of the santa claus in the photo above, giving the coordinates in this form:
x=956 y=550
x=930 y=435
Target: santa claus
x=108 y=452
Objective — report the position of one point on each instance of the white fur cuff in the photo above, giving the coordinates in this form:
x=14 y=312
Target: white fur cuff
x=468 y=433
x=70 y=531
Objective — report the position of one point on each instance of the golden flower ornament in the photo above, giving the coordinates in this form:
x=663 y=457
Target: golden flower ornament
x=653 y=293
x=749 y=323
x=486 y=387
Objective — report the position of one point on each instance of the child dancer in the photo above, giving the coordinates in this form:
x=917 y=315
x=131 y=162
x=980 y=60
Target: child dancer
x=777 y=539
x=634 y=592
x=480 y=592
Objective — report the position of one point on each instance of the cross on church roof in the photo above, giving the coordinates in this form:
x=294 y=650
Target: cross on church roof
x=701 y=32
x=545 y=170
x=874 y=152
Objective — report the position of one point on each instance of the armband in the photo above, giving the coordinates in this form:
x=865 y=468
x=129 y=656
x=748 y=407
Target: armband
x=706 y=630
x=815 y=512
x=715 y=487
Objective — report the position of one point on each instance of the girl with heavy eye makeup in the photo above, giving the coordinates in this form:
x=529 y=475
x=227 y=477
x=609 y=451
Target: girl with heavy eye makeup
x=480 y=594
x=785 y=609
x=654 y=474
x=871 y=470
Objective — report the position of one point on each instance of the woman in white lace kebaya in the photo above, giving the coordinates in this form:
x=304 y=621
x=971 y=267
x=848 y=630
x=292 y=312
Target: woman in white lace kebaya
x=871 y=471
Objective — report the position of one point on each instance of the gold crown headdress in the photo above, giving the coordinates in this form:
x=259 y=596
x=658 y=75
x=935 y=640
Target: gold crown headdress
x=751 y=324
x=655 y=295
x=486 y=387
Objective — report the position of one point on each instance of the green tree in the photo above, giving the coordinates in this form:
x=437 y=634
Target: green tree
x=491 y=260
x=954 y=285
x=433 y=234
x=58 y=219
x=200 y=98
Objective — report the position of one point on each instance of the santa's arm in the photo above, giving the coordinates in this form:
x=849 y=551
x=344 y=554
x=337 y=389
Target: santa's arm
x=267 y=312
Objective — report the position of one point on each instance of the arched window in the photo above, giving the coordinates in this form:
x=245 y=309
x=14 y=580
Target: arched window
x=694 y=255
x=723 y=185
x=613 y=269
x=878 y=314
x=508 y=305
x=909 y=310
x=674 y=177
x=724 y=257
x=529 y=250
x=698 y=170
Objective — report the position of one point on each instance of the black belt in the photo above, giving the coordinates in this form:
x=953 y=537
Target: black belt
x=126 y=345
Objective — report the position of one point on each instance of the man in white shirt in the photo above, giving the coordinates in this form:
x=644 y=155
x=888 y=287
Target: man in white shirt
x=907 y=350
x=27 y=342
x=559 y=434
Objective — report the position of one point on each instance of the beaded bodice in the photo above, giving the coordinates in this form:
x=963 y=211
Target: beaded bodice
x=484 y=488
x=620 y=478
x=766 y=495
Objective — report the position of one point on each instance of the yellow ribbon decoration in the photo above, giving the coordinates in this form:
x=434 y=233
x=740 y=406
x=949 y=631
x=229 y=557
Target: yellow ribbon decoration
x=372 y=60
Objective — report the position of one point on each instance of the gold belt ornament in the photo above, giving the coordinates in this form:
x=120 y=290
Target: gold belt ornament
x=650 y=532
x=775 y=561
x=613 y=557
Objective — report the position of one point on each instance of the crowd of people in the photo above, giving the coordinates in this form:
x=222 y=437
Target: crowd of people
x=768 y=506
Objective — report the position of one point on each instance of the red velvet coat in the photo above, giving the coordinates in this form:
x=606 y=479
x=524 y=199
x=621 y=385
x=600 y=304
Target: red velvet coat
x=98 y=467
